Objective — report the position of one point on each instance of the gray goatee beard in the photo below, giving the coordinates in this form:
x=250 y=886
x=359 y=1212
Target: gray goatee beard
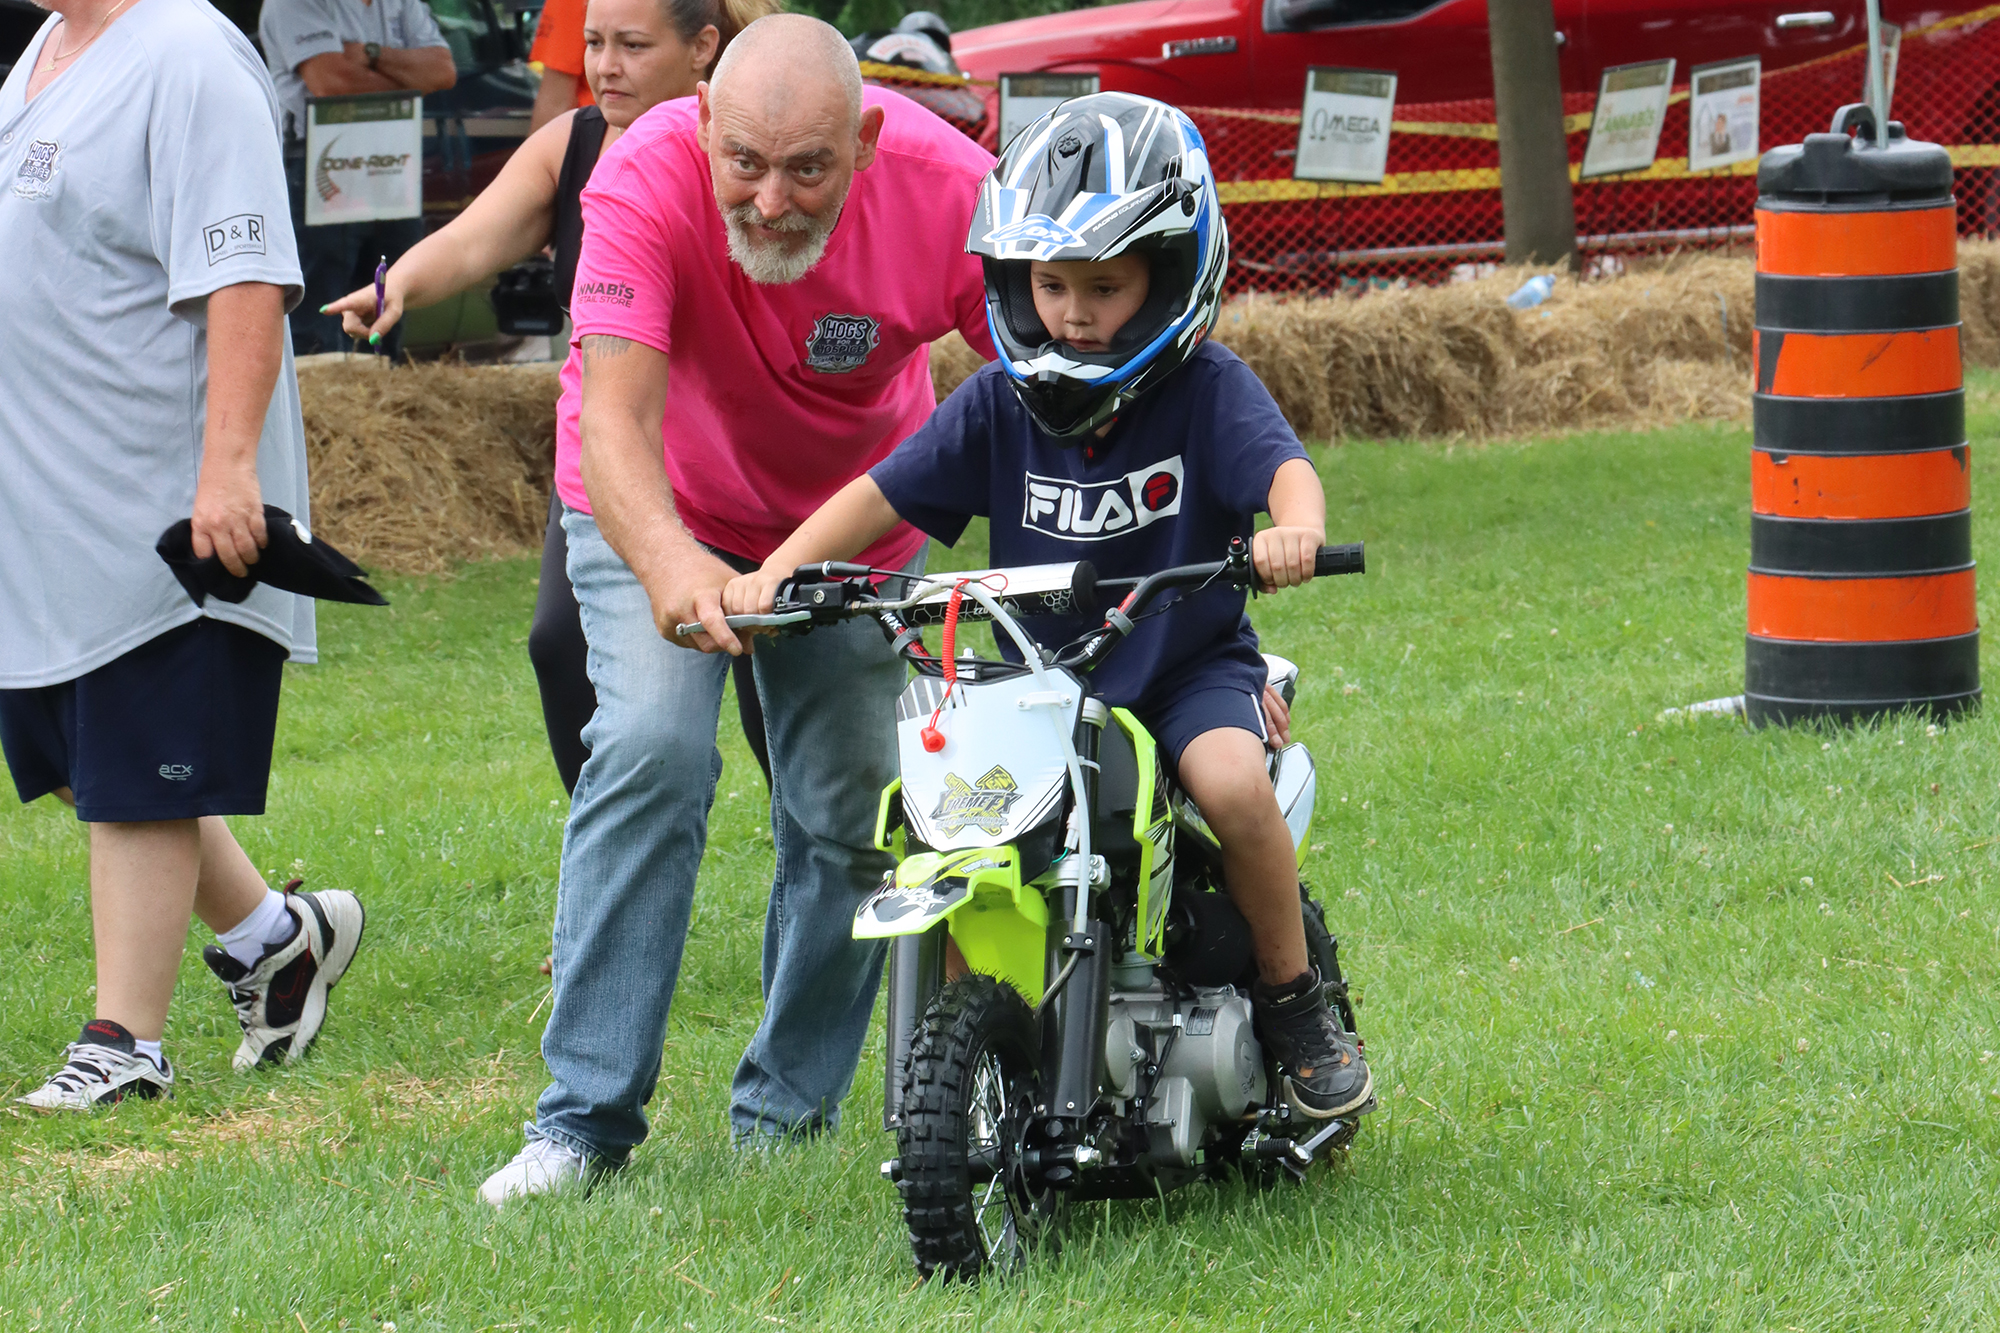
x=774 y=263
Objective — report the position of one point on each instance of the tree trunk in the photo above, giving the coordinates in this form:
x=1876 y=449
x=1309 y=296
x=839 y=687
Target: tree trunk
x=1534 y=156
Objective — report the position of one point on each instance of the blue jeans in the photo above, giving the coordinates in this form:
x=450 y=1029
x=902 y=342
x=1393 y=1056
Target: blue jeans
x=637 y=826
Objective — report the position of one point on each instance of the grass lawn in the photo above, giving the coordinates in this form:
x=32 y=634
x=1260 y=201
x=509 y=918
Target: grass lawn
x=1677 y=1025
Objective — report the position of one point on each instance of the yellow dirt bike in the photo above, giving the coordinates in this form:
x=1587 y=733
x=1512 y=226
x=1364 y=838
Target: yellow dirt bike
x=1099 y=1042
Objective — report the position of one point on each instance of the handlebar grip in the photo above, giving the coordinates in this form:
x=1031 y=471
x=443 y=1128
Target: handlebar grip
x=1349 y=559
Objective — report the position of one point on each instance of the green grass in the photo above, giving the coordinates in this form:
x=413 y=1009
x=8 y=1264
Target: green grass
x=1678 y=1025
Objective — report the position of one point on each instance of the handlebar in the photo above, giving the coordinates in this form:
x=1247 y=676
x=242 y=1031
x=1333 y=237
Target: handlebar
x=834 y=591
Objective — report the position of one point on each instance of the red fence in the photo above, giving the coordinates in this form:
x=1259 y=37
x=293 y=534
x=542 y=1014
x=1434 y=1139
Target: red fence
x=1439 y=206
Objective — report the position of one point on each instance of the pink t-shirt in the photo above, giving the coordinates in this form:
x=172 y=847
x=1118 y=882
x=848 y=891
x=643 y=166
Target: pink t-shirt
x=777 y=396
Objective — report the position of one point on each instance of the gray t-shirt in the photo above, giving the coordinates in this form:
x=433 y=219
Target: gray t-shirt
x=294 y=31
x=144 y=177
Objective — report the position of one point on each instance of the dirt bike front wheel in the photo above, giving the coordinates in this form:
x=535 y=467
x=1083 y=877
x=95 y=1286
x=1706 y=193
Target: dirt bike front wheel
x=969 y=1095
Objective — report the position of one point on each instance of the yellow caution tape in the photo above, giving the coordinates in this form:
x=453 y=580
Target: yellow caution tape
x=871 y=69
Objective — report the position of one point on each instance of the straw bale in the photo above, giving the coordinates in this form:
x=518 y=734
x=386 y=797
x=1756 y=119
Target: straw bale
x=1660 y=344
x=1979 y=301
x=417 y=468
x=952 y=363
x=421 y=466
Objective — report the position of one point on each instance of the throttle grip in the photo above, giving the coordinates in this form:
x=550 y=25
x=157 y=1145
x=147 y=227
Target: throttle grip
x=1348 y=559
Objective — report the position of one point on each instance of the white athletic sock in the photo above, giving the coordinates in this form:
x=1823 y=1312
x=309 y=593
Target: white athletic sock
x=270 y=922
x=151 y=1050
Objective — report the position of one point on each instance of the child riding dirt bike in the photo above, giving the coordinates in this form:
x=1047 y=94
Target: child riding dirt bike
x=1111 y=430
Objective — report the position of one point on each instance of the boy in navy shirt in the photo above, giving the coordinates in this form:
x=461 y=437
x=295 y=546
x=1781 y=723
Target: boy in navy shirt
x=1162 y=470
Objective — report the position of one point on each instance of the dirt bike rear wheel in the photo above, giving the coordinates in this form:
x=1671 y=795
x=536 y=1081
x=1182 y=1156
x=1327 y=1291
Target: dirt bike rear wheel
x=969 y=1094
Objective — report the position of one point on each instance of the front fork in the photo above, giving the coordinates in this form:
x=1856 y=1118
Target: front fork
x=916 y=972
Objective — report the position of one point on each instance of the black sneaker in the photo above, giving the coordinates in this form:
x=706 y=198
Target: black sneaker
x=101 y=1067
x=281 y=1002
x=1325 y=1074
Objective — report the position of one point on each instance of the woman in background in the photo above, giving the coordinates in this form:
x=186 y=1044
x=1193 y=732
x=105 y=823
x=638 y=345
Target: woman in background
x=637 y=54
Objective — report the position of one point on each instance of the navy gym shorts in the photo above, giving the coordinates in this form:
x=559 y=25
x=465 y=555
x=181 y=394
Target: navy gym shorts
x=177 y=728
x=1187 y=713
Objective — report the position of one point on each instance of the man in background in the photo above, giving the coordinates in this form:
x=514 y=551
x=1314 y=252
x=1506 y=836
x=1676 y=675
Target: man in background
x=558 y=49
x=334 y=48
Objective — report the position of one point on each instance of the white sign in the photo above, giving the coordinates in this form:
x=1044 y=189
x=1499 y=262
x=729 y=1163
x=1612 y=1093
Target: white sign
x=364 y=158
x=1344 y=126
x=1892 y=43
x=1722 y=113
x=1026 y=98
x=1631 y=108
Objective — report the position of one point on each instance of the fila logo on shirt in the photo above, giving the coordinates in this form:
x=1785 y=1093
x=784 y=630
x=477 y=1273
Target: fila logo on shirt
x=37 y=172
x=1095 y=511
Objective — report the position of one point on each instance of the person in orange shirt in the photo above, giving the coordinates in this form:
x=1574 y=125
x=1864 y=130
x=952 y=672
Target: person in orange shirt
x=558 y=49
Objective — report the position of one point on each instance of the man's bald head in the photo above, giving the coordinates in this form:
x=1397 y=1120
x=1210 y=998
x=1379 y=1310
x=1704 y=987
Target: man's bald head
x=787 y=58
x=784 y=129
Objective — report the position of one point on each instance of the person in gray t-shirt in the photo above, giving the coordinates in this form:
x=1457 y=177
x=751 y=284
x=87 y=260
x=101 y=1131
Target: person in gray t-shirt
x=329 y=48
x=149 y=380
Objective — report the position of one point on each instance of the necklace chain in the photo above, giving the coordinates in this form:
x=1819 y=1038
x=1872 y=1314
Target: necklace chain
x=57 y=57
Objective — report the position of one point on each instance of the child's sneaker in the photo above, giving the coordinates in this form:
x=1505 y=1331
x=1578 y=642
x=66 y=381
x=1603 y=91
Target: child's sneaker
x=281 y=1002
x=101 y=1067
x=1325 y=1074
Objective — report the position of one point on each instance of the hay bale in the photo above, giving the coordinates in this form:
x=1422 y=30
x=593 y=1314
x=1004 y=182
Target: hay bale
x=421 y=466
x=417 y=468
x=1654 y=345
x=952 y=363
x=1979 y=301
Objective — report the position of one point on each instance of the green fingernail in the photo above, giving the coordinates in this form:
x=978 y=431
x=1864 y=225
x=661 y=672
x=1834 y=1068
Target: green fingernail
x=374 y=338
x=322 y=310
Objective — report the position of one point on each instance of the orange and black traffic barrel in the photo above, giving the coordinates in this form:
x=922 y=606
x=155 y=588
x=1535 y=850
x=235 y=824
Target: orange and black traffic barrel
x=1861 y=582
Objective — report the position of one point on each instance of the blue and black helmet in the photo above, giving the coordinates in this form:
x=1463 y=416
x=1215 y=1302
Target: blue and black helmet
x=1097 y=177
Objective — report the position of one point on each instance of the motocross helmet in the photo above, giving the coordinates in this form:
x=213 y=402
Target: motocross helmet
x=932 y=25
x=1100 y=176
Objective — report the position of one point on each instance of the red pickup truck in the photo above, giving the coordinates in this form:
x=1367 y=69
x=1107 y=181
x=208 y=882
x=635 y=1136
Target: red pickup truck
x=1254 y=53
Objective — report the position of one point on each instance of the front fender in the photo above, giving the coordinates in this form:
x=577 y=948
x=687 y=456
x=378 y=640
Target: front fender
x=999 y=924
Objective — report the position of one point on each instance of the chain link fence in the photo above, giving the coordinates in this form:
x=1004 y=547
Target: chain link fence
x=1436 y=214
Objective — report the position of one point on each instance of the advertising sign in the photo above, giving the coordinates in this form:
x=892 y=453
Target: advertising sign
x=1344 y=126
x=1631 y=108
x=364 y=158
x=1026 y=98
x=1722 y=113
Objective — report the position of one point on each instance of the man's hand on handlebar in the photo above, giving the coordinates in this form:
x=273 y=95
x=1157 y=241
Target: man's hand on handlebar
x=1284 y=556
x=693 y=592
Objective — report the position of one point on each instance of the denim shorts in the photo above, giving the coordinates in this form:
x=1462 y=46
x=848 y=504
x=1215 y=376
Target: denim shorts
x=177 y=728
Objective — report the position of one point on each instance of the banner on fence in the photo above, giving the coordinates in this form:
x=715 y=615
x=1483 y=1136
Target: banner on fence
x=1722 y=113
x=367 y=158
x=1344 y=125
x=1026 y=98
x=1631 y=110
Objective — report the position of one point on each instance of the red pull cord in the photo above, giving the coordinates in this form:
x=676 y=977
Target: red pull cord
x=932 y=738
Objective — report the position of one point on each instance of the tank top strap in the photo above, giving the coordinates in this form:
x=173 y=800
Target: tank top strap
x=586 y=140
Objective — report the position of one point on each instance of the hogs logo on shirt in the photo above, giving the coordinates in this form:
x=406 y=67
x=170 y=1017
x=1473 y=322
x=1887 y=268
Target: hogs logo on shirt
x=1094 y=511
x=840 y=343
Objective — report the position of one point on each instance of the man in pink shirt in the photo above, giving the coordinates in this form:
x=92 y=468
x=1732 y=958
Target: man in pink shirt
x=763 y=267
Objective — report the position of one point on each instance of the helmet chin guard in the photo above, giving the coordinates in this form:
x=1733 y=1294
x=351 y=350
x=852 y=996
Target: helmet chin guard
x=1100 y=176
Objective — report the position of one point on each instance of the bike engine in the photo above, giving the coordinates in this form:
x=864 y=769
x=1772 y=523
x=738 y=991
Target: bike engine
x=1184 y=1062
